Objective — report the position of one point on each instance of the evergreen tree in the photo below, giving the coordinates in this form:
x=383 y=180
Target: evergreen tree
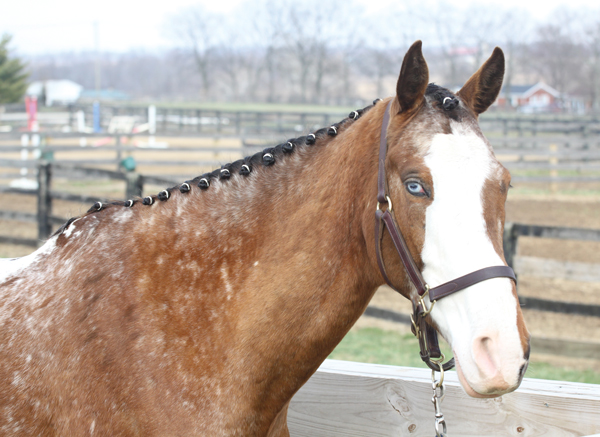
x=13 y=78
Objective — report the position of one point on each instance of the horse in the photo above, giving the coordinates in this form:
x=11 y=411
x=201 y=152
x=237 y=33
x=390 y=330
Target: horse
x=202 y=310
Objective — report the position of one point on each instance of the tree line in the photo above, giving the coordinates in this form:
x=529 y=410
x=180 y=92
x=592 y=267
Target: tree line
x=335 y=53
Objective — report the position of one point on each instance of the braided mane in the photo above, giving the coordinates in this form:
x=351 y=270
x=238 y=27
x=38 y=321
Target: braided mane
x=267 y=157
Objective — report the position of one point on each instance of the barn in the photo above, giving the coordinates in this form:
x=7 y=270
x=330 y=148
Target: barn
x=538 y=97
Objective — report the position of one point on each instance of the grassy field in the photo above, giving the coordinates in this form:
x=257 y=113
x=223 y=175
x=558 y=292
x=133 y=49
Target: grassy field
x=373 y=345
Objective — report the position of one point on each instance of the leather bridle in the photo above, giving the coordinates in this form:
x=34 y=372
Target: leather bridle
x=425 y=332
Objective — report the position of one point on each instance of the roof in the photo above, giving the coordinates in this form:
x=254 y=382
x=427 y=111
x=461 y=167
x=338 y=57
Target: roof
x=525 y=91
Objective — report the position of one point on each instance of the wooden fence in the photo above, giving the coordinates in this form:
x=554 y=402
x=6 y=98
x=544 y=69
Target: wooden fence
x=546 y=160
x=543 y=267
x=134 y=185
x=170 y=119
x=357 y=399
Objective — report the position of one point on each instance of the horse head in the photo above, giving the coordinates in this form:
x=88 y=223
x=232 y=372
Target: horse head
x=449 y=191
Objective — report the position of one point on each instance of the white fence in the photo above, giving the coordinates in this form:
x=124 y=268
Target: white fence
x=356 y=399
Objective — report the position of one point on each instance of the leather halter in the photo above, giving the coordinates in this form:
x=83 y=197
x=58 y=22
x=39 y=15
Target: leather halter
x=427 y=335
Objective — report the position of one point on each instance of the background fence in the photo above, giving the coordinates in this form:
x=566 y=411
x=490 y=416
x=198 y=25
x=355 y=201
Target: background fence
x=537 y=149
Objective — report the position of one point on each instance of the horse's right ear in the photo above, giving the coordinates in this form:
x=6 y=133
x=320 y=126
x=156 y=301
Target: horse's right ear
x=413 y=79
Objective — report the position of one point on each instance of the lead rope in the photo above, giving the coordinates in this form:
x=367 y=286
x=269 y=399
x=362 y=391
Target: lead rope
x=440 y=422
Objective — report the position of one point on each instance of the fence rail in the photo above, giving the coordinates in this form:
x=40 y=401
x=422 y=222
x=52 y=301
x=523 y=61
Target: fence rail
x=544 y=162
x=357 y=399
x=500 y=128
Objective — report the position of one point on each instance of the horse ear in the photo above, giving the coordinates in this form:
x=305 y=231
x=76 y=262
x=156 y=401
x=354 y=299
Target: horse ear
x=483 y=87
x=413 y=79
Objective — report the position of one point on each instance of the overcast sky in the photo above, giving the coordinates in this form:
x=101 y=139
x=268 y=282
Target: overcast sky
x=47 y=26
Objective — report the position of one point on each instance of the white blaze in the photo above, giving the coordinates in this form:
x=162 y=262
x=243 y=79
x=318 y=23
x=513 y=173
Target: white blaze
x=457 y=243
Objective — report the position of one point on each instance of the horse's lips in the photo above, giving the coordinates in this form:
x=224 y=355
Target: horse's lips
x=468 y=389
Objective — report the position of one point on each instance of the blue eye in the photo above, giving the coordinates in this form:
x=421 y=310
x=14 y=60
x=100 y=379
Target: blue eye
x=415 y=188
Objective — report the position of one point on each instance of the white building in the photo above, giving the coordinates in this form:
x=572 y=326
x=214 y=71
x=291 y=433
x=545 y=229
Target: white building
x=52 y=92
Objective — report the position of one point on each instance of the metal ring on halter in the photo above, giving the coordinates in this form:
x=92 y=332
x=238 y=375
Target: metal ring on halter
x=389 y=202
x=426 y=310
x=439 y=362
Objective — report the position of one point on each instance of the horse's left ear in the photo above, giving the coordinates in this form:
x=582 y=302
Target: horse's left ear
x=483 y=87
x=413 y=78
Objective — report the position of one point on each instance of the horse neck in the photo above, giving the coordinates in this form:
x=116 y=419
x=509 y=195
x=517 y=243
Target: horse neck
x=308 y=272
x=266 y=272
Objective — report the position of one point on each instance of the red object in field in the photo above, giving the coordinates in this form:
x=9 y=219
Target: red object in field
x=31 y=108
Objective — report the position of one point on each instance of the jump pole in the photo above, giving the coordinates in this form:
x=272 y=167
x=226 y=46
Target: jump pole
x=32 y=127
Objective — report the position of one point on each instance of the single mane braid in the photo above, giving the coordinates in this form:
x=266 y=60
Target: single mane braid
x=443 y=96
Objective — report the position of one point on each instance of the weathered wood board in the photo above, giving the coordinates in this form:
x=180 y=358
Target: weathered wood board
x=550 y=268
x=356 y=399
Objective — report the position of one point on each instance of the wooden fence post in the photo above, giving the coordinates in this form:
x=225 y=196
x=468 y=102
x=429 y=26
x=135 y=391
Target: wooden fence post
x=44 y=200
x=509 y=244
x=134 y=185
x=553 y=161
x=119 y=151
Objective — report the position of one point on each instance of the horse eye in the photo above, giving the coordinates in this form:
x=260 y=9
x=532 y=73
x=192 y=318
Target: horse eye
x=416 y=189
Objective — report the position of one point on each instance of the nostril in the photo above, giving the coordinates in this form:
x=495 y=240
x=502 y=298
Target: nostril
x=526 y=356
x=522 y=371
x=483 y=353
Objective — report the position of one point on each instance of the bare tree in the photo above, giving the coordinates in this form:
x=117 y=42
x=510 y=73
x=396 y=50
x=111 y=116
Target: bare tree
x=513 y=35
x=557 y=57
x=199 y=31
x=589 y=37
x=265 y=36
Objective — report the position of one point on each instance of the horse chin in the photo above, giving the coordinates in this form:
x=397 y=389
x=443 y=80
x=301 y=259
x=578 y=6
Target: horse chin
x=470 y=391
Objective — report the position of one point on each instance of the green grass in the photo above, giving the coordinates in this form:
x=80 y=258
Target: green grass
x=373 y=345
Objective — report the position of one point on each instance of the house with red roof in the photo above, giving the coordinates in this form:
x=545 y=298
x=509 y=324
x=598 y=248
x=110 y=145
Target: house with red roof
x=539 y=97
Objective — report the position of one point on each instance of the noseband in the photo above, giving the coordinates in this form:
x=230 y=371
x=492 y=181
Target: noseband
x=427 y=335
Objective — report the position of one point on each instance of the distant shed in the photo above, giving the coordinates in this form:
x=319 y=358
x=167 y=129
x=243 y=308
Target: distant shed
x=55 y=92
